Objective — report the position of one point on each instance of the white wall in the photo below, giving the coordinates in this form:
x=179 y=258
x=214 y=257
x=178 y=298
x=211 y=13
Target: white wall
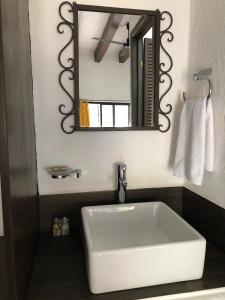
x=207 y=49
x=148 y=155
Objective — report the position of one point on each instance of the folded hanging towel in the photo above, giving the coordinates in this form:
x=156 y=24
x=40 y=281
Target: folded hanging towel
x=195 y=144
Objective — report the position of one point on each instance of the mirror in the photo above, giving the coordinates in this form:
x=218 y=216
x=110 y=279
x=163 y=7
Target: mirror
x=118 y=65
x=114 y=69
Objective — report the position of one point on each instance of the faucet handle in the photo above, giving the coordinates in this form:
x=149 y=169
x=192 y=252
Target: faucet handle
x=121 y=167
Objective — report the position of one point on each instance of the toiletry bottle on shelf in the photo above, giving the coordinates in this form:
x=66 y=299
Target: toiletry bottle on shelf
x=65 y=230
x=56 y=231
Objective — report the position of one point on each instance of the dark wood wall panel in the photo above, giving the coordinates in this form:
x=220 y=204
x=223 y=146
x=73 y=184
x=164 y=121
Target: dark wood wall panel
x=3 y=273
x=71 y=204
x=18 y=154
x=207 y=217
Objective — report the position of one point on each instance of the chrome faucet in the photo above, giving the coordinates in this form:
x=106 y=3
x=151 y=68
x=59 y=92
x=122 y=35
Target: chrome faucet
x=122 y=182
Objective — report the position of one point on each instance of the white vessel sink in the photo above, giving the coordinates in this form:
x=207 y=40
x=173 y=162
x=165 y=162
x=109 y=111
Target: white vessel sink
x=136 y=245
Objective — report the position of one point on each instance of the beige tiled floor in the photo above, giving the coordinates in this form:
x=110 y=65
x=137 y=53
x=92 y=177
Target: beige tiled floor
x=215 y=294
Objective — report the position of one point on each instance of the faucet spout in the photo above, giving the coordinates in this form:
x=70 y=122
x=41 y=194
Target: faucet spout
x=122 y=182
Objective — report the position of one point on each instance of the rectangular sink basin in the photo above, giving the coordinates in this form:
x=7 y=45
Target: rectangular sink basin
x=136 y=245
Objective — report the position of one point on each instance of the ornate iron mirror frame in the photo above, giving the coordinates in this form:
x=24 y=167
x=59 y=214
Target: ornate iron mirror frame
x=71 y=68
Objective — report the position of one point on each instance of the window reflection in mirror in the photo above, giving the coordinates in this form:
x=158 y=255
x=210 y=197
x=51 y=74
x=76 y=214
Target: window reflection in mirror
x=109 y=114
x=115 y=54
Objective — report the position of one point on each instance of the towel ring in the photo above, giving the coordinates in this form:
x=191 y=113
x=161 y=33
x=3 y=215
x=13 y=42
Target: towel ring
x=202 y=75
x=198 y=77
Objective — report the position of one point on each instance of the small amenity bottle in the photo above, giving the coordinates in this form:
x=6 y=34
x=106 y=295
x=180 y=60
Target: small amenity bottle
x=56 y=230
x=65 y=229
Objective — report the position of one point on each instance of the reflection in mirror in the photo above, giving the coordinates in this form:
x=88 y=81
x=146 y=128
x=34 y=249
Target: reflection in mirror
x=143 y=71
x=116 y=70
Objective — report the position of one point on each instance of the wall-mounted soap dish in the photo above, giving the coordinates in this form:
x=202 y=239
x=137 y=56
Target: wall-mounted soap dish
x=59 y=172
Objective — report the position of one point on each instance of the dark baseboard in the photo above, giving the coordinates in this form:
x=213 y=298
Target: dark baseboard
x=71 y=204
x=3 y=271
x=207 y=217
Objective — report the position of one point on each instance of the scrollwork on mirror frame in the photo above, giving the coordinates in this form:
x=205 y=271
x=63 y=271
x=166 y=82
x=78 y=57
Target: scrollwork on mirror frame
x=164 y=71
x=67 y=68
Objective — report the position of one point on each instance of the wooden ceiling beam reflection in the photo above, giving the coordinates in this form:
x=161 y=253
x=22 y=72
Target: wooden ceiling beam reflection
x=108 y=34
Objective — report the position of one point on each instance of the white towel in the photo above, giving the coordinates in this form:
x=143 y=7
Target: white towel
x=195 y=144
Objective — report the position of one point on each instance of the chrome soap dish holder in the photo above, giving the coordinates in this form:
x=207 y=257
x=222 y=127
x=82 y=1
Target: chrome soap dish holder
x=60 y=172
